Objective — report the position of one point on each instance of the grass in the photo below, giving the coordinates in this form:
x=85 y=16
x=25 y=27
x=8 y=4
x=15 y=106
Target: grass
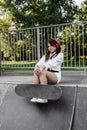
x=18 y=64
x=26 y=65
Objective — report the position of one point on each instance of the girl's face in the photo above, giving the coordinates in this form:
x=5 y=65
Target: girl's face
x=51 y=48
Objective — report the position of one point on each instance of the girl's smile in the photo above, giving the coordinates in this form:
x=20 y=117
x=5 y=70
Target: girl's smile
x=51 y=48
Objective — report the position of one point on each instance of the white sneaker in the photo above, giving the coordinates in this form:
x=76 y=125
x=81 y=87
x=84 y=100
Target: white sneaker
x=39 y=100
x=34 y=100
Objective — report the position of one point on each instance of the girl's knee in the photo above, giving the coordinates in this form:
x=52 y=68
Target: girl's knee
x=43 y=73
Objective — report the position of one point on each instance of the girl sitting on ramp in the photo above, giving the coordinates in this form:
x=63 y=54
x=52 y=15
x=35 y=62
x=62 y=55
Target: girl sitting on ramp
x=48 y=69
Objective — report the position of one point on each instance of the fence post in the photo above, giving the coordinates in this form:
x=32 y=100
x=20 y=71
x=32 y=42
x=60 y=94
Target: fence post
x=38 y=43
x=0 y=54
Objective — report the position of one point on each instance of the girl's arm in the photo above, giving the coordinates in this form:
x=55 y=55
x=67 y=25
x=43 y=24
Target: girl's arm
x=41 y=62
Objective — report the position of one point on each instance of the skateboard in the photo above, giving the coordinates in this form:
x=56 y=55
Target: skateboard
x=50 y=92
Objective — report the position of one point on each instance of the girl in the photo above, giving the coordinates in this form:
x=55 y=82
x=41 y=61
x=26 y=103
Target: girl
x=48 y=69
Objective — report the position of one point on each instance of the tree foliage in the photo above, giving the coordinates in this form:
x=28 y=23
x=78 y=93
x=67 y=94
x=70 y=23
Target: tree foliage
x=82 y=16
x=28 y=13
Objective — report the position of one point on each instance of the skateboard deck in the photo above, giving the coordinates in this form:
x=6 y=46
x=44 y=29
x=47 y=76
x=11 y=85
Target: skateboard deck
x=50 y=92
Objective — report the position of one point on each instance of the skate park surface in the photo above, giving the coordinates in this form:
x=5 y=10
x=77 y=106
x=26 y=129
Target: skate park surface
x=67 y=113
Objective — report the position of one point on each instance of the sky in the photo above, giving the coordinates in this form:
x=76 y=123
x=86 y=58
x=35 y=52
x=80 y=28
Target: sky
x=78 y=2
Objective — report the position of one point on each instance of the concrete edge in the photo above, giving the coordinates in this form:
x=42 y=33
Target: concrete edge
x=64 y=85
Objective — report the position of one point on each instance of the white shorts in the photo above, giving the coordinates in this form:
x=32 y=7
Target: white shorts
x=58 y=75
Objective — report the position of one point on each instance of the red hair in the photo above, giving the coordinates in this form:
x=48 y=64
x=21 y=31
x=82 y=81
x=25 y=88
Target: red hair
x=54 y=42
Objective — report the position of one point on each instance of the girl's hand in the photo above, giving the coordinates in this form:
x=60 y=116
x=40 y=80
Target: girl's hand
x=43 y=68
x=37 y=70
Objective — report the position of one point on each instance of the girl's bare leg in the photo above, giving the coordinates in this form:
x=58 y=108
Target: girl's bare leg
x=36 y=79
x=44 y=77
x=47 y=77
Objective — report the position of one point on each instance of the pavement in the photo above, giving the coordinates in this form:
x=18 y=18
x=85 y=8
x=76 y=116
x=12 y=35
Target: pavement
x=68 y=78
x=9 y=103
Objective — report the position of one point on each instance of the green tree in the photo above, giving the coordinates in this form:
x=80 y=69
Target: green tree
x=82 y=15
x=5 y=17
x=27 y=13
x=74 y=39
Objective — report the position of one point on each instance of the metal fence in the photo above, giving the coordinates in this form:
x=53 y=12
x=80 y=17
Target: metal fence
x=22 y=48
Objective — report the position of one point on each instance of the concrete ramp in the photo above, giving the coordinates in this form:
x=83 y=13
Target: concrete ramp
x=80 y=116
x=17 y=113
